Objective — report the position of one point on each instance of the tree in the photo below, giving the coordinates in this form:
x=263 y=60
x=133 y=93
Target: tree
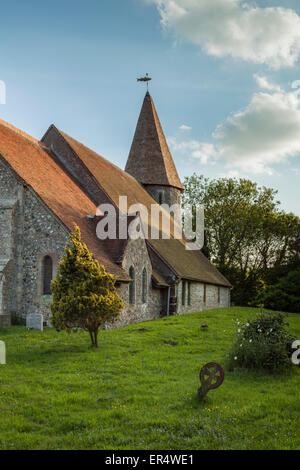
x=247 y=236
x=284 y=295
x=84 y=294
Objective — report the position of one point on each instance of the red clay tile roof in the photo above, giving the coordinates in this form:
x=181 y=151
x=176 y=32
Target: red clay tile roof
x=116 y=182
x=31 y=161
x=189 y=264
x=150 y=160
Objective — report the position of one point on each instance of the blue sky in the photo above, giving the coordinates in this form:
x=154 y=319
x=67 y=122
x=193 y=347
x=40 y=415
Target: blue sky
x=227 y=106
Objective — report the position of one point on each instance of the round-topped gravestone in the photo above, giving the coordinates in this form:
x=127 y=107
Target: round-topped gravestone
x=211 y=377
x=2 y=353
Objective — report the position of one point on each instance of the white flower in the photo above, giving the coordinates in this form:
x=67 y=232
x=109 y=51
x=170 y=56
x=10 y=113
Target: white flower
x=247 y=324
x=235 y=358
x=239 y=331
x=241 y=345
x=250 y=340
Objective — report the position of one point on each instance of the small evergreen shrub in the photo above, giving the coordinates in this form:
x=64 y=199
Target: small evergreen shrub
x=263 y=343
x=84 y=294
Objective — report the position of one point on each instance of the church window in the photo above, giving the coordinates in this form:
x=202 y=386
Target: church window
x=47 y=275
x=144 y=286
x=204 y=294
x=183 y=292
x=219 y=295
x=160 y=197
x=132 y=286
x=189 y=293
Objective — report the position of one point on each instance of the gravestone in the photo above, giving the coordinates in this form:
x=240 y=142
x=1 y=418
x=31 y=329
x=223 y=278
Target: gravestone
x=34 y=321
x=211 y=377
x=2 y=353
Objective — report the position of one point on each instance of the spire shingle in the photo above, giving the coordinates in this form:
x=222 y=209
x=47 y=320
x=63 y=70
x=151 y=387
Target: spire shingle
x=150 y=161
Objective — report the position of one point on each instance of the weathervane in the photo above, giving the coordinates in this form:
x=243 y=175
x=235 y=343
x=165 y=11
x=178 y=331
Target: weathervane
x=145 y=79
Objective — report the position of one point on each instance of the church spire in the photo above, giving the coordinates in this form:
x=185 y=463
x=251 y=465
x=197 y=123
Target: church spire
x=150 y=161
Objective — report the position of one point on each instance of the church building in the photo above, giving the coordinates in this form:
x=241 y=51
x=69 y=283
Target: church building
x=48 y=185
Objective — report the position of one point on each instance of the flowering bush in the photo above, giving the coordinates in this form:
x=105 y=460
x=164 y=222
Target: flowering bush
x=262 y=343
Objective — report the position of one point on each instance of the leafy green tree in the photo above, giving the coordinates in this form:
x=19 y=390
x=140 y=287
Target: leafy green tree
x=284 y=296
x=247 y=236
x=84 y=294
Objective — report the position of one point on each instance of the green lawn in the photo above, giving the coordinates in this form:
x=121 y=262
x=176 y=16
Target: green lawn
x=139 y=390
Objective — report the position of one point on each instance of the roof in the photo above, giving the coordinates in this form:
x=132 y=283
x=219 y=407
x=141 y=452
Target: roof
x=158 y=279
x=31 y=161
x=188 y=264
x=150 y=160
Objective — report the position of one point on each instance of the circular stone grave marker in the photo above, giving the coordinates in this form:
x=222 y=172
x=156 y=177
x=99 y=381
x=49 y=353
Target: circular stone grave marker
x=211 y=377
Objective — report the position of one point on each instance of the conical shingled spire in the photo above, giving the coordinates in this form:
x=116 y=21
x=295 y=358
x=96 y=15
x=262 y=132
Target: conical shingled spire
x=150 y=161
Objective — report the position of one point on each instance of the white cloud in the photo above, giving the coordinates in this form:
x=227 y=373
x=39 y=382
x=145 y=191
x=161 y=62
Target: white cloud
x=264 y=83
x=252 y=140
x=266 y=132
x=203 y=151
x=185 y=128
x=235 y=28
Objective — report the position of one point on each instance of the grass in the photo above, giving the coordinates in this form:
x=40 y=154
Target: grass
x=139 y=389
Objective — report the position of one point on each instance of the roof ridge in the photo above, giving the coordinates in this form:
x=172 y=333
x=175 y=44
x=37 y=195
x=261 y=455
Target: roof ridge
x=18 y=131
x=95 y=154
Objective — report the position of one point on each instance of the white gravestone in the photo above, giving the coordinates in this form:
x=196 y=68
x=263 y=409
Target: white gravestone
x=2 y=353
x=34 y=321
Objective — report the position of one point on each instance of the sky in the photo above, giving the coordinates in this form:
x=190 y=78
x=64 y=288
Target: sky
x=226 y=80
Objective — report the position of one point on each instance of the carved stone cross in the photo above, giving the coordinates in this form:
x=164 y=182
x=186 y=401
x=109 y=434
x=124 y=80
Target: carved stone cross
x=211 y=377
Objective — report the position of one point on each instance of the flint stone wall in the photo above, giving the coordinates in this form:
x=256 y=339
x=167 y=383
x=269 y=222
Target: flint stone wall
x=197 y=297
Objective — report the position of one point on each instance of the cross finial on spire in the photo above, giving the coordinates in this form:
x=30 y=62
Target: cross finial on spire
x=145 y=79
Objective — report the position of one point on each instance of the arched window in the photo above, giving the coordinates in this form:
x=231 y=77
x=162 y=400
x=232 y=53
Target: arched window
x=132 y=286
x=144 y=286
x=47 y=275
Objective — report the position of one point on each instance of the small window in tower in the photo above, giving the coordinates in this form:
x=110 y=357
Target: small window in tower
x=204 y=294
x=144 y=286
x=47 y=275
x=160 y=197
x=132 y=286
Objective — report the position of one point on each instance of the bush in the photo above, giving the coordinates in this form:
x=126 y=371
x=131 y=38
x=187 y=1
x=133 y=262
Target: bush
x=263 y=343
x=84 y=294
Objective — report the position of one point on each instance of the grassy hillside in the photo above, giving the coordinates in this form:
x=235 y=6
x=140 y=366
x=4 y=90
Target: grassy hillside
x=139 y=390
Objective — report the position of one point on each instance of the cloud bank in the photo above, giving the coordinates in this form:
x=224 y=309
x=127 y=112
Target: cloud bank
x=253 y=139
x=235 y=28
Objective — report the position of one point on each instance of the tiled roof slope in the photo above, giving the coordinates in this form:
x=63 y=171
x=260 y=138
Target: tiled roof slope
x=31 y=161
x=116 y=182
x=189 y=264
x=150 y=160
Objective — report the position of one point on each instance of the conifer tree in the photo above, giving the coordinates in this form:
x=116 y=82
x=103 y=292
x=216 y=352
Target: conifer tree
x=84 y=294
